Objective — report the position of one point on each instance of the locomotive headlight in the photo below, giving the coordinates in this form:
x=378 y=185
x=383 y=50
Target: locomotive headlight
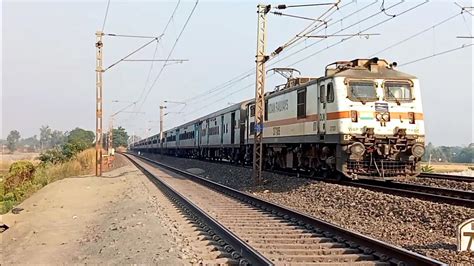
x=378 y=116
x=386 y=117
x=418 y=150
x=354 y=116
x=357 y=148
x=411 y=117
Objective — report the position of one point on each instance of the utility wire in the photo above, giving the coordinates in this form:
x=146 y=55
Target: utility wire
x=132 y=53
x=416 y=34
x=436 y=54
x=251 y=71
x=307 y=30
x=339 y=31
x=382 y=7
x=106 y=13
x=156 y=49
x=170 y=53
x=356 y=34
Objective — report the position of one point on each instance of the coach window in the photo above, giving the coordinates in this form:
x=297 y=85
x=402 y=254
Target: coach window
x=322 y=90
x=301 y=103
x=252 y=111
x=330 y=96
x=252 y=128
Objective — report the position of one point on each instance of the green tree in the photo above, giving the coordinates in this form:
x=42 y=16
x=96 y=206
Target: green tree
x=12 y=140
x=466 y=155
x=81 y=138
x=120 y=137
x=45 y=137
x=31 y=143
x=58 y=138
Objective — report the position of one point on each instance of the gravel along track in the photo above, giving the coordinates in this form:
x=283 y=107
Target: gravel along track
x=435 y=194
x=417 y=225
x=283 y=239
x=434 y=182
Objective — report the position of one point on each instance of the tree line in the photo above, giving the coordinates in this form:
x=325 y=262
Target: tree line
x=454 y=154
x=54 y=139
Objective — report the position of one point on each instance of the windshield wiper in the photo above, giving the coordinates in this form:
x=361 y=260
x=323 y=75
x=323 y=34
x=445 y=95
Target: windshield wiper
x=393 y=96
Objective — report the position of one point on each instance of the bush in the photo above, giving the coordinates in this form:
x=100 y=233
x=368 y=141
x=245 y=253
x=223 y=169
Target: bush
x=427 y=169
x=19 y=173
x=53 y=156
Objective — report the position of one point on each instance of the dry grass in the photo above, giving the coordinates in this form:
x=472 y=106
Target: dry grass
x=82 y=164
x=450 y=167
x=8 y=159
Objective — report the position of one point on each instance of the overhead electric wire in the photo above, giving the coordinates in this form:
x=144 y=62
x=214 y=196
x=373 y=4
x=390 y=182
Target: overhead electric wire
x=416 y=34
x=436 y=54
x=156 y=49
x=356 y=34
x=106 y=14
x=307 y=30
x=132 y=53
x=251 y=71
x=339 y=31
x=368 y=28
x=170 y=53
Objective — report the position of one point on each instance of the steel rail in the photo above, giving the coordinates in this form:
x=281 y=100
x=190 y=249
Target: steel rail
x=435 y=194
x=447 y=177
x=242 y=251
x=384 y=251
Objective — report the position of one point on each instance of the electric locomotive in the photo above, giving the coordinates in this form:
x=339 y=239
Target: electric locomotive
x=362 y=119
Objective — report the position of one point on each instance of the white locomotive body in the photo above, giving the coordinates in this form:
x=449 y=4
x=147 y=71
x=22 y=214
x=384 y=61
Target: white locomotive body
x=363 y=119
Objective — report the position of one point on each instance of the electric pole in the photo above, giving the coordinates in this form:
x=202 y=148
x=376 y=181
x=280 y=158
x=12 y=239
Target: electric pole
x=110 y=145
x=261 y=58
x=98 y=114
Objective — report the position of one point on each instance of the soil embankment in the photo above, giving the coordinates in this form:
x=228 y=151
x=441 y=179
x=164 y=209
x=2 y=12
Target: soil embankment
x=120 y=218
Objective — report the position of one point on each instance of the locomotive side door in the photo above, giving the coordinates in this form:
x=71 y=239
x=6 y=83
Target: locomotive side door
x=232 y=128
x=322 y=112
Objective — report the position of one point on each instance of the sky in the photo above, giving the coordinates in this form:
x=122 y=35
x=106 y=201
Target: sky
x=48 y=59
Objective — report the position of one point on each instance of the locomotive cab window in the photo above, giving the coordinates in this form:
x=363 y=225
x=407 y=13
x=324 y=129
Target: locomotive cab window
x=301 y=103
x=397 y=91
x=330 y=94
x=362 y=91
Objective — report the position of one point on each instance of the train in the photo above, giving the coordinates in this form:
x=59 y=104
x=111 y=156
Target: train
x=362 y=120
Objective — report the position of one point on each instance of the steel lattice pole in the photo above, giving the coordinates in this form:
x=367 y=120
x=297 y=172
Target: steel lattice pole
x=259 y=93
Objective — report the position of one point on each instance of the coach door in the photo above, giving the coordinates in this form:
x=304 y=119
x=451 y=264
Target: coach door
x=232 y=128
x=197 y=135
x=322 y=111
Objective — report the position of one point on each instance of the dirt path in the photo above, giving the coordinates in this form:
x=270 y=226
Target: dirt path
x=118 y=219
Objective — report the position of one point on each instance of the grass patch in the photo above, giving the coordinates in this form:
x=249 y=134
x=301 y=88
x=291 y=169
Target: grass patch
x=44 y=174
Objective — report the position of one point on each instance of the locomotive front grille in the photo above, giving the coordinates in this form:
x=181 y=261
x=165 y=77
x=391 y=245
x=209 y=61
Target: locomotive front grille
x=380 y=168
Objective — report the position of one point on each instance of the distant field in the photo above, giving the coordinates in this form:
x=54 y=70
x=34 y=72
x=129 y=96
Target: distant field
x=450 y=167
x=7 y=159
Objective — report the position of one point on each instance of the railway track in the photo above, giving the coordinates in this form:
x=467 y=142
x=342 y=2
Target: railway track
x=447 y=177
x=436 y=194
x=259 y=232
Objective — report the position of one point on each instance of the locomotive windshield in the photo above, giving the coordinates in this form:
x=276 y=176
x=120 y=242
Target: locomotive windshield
x=397 y=91
x=363 y=91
